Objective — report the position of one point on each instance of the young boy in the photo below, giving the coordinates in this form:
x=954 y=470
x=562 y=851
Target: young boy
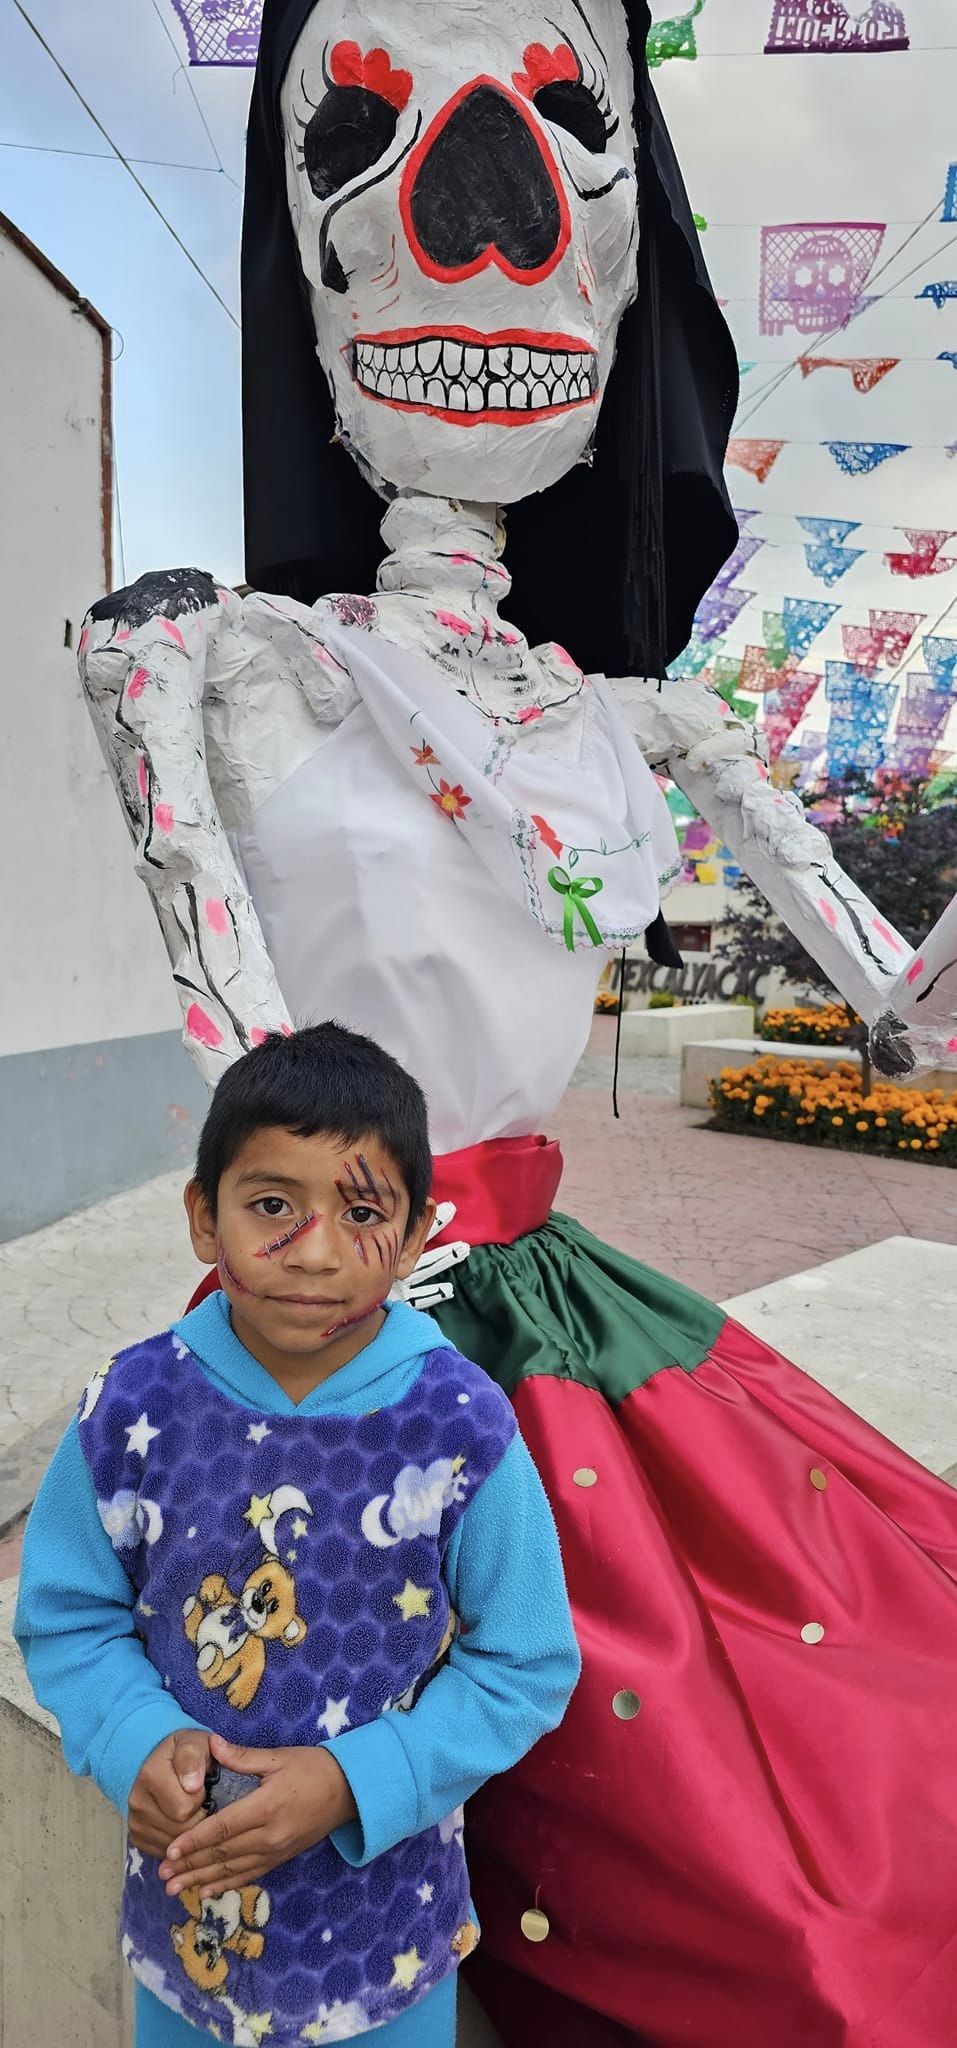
x=292 y=1588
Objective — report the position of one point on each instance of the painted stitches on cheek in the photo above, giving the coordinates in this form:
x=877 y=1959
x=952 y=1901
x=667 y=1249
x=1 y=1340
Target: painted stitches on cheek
x=297 y=1229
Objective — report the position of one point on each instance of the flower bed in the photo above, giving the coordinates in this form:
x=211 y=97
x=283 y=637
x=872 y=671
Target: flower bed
x=802 y=1025
x=815 y=1105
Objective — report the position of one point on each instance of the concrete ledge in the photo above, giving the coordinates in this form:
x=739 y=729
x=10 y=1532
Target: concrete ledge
x=656 y=1033
x=61 y=1981
x=876 y=1328
x=702 y=1058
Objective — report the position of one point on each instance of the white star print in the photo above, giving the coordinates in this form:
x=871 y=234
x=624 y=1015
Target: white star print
x=426 y=1893
x=134 y=1867
x=300 y=1528
x=190 y=1533
x=335 y=1718
x=140 y=1435
x=256 y=1432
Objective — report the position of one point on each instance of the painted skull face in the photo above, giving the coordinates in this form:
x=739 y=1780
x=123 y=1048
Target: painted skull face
x=462 y=187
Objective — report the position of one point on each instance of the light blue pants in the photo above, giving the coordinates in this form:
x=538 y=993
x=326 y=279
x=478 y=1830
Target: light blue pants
x=430 y=2024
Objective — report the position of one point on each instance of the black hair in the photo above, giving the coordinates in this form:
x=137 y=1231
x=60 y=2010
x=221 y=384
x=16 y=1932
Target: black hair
x=321 y=1079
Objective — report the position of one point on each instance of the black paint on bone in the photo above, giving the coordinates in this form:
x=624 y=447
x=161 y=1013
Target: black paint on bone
x=484 y=183
x=349 y=131
x=163 y=594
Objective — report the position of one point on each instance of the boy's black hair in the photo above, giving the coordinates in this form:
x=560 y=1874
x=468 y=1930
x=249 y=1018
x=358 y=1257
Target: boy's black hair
x=321 y=1079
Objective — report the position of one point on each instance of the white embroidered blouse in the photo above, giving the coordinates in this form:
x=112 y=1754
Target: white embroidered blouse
x=390 y=810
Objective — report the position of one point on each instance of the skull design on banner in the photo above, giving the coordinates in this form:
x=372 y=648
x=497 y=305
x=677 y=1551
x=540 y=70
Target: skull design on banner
x=467 y=223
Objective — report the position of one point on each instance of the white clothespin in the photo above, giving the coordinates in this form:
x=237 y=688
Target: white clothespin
x=423 y=1289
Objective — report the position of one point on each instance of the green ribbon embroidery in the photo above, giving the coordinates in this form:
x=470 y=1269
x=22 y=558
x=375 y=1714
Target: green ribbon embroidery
x=575 y=892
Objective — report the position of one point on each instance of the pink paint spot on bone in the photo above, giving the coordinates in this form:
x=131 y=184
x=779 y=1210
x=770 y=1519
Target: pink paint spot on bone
x=174 y=633
x=454 y=623
x=286 y=1030
x=124 y=633
x=216 y=916
x=141 y=776
x=884 y=932
x=137 y=682
x=257 y=1035
x=163 y=814
x=828 y=913
x=201 y=1027
x=84 y=640
x=916 y=968
x=531 y=712
x=952 y=1044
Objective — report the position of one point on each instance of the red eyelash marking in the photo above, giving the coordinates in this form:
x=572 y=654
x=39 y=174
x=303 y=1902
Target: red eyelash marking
x=544 y=67
x=279 y=1243
x=374 y=71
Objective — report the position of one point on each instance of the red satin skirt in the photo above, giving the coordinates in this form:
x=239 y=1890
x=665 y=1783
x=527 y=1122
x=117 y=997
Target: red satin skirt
x=744 y=1834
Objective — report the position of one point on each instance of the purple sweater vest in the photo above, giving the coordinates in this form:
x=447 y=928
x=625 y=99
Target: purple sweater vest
x=290 y=1586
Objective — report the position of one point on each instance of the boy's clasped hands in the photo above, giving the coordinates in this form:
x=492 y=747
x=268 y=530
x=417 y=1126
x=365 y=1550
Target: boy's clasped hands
x=302 y=1797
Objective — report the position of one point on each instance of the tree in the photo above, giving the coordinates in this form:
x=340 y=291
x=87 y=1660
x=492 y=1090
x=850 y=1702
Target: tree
x=897 y=843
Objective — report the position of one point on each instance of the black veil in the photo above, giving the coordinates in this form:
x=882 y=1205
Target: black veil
x=647 y=525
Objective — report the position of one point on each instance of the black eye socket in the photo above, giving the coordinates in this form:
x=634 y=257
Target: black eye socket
x=571 y=105
x=349 y=131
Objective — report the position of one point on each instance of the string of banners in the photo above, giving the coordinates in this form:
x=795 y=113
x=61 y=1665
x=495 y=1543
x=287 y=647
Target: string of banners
x=827 y=558
x=758 y=454
x=227 y=31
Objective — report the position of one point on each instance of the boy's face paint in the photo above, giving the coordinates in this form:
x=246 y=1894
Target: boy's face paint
x=314 y=1286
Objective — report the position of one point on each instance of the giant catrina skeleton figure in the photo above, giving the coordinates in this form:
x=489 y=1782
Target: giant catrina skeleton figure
x=394 y=783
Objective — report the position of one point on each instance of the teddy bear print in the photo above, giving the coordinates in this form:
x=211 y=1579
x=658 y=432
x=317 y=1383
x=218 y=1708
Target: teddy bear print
x=231 y=1634
x=218 y=1929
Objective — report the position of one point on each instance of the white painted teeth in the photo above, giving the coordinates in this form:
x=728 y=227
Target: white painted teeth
x=471 y=377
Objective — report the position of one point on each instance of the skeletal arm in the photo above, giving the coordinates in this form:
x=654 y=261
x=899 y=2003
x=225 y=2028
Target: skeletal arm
x=690 y=734
x=144 y=659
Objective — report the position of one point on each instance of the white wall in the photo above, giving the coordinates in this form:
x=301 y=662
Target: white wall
x=80 y=957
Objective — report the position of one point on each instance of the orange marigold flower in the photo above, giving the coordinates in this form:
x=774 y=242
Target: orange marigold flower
x=837 y=1119
x=917 y=1144
x=881 y=1122
x=862 y=1127
x=451 y=800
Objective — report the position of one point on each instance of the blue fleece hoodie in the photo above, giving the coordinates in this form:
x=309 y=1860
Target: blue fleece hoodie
x=508 y=1678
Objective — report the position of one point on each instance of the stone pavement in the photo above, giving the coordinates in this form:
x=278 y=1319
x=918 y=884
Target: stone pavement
x=724 y=1214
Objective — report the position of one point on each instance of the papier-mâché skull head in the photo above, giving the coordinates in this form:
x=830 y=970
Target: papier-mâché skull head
x=461 y=179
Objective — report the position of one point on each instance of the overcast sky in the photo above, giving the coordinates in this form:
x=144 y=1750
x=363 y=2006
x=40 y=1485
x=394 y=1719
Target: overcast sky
x=761 y=139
